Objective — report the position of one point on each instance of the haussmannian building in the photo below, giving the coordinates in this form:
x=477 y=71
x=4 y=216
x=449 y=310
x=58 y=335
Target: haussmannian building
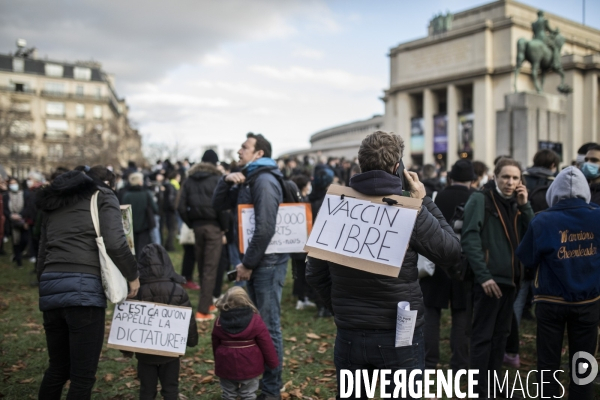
x=61 y=114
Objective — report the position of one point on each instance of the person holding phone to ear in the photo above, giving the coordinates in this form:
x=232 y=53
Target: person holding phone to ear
x=494 y=223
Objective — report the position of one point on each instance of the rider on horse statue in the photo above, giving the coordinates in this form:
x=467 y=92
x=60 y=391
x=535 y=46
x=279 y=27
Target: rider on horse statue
x=543 y=53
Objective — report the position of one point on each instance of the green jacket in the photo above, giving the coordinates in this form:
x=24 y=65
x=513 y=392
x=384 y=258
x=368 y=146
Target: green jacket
x=485 y=241
x=142 y=202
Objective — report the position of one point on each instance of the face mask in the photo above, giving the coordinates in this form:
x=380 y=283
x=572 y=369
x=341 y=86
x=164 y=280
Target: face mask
x=443 y=180
x=483 y=181
x=14 y=187
x=590 y=170
x=29 y=183
x=309 y=191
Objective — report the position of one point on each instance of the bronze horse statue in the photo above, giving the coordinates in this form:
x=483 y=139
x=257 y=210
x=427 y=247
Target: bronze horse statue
x=543 y=59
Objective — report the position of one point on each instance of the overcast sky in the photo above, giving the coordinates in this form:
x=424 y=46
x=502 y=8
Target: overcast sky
x=205 y=72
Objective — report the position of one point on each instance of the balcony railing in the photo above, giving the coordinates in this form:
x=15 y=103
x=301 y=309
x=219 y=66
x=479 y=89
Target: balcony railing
x=14 y=89
x=21 y=155
x=56 y=137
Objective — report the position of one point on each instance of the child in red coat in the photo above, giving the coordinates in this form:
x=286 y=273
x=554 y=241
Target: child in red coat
x=241 y=345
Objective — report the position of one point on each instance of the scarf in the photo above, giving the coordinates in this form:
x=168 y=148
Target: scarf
x=507 y=206
x=261 y=162
x=16 y=202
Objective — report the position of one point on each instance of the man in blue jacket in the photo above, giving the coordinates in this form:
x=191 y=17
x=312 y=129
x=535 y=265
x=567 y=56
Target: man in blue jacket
x=258 y=185
x=562 y=243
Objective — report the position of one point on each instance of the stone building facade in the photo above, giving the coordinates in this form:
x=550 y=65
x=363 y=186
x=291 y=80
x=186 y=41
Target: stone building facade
x=447 y=88
x=61 y=114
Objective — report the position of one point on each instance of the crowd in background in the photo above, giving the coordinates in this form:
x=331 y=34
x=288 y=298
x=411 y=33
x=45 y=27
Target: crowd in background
x=173 y=201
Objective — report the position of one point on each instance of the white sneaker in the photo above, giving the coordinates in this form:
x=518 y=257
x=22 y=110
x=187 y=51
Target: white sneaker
x=308 y=303
x=300 y=305
x=32 y=260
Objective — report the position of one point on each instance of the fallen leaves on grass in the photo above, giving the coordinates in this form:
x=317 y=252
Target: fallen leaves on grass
x=313 y=336
x=30 y=380
x=291 y=339
x=108 y=378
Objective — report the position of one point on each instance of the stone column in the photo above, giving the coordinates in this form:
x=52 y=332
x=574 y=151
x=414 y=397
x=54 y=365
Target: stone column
x=452 y=127
x=484 y=119
x=590 y=108
x=428 y=112
x=402 y=128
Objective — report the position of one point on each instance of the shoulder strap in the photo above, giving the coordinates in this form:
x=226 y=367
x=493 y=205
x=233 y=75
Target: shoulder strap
x=94 y=211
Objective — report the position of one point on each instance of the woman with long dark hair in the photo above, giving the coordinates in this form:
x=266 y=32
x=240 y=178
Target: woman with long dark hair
x=71 y=295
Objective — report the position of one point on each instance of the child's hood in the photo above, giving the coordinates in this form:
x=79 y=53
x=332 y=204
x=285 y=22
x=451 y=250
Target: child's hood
x=154 y=264
x=236 y=320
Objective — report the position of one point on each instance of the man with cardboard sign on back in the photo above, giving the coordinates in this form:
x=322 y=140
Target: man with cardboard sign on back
x=365 y=304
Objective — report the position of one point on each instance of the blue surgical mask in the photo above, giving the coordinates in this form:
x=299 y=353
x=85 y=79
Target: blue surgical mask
x=14 y=187
x=590 y=170
x=443 y=180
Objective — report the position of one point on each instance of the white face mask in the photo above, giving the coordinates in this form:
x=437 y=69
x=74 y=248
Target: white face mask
x=309 y=191
x=483 y=181
x=14 y=187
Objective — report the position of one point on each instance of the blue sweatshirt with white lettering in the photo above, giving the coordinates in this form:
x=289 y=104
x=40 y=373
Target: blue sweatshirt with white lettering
x=562 y=243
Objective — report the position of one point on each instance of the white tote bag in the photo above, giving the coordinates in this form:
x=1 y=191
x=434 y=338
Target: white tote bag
x=186 y=235
x=425 y=266
x=115 y=285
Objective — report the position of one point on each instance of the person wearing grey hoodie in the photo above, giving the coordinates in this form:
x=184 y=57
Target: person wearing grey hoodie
x=561 y=244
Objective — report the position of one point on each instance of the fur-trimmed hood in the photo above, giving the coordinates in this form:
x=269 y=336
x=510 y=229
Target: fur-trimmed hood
x=67 y=189
x=203 y=170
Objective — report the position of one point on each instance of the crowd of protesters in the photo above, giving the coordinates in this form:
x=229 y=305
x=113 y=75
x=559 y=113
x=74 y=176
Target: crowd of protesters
x=498 y=238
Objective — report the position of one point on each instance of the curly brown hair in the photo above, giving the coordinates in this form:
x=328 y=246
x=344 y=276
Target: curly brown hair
x=380 y=151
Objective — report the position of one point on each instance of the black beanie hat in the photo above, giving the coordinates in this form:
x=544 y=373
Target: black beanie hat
x=210 y=157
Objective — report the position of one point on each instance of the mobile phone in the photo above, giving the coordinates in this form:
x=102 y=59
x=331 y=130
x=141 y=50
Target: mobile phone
x=400 y=174
x=232 y=275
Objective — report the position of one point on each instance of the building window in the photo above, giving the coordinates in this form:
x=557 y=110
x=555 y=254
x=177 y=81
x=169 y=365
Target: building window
x=80 y=129
x=79 y=90
x=54 y=70
x=20 y=128
x=84 y=74
x=55 y=88
x=21 y=148
x=21 y=106
x=98 y=112
x=55 y=152
x=98 y=92
x=80 y=110
x=55 y=108
x=56 y=126
x=18 y=65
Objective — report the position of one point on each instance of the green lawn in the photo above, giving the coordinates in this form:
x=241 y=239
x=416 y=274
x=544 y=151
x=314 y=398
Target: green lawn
x=308 y=341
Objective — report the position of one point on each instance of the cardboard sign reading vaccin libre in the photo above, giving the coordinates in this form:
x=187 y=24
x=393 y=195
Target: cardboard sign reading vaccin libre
x=363 y=232
x=294 y=224
x=151 y=328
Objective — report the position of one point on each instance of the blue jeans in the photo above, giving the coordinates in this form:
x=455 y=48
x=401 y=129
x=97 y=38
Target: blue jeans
x=521 y=299
x=265 y=287
x=155 y=232
x=375 y=349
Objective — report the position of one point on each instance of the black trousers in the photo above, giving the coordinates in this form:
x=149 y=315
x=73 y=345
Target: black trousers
x=582 y=330
x=74 y=336
x=512 y=342
x=189 y=260
x=171 y=225
x=150 y=374
x=140 y=240
x=301 y=288
x=492 y=319
x=19 y=246
x=459 y=342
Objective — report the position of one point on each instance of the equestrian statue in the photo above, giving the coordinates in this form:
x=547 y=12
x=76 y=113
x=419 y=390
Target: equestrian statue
x=543 y=53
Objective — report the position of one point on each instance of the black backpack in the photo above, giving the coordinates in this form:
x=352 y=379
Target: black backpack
x=291 y=193
x=537 y=197
x=461 y=271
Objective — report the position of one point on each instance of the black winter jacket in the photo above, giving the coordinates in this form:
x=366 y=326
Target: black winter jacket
x=595 y=190
x=362 y=300
x=440 y=289
x=160 y=284
x=68 y=264
x=195 y=200
x=261 y=189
